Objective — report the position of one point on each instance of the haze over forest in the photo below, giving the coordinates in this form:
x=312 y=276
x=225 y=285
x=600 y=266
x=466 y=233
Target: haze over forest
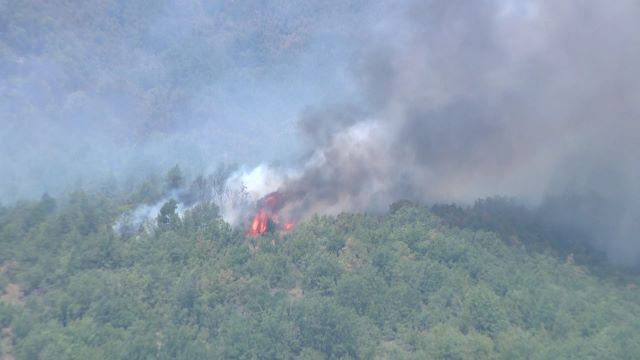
x=338 y=179
x=95 y=89
x=368 y=102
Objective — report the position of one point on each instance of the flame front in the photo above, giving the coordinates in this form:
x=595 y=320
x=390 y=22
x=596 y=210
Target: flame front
x=267 y=218
x=260 y=223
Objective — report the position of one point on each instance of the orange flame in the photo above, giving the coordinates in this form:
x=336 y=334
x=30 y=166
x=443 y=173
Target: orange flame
x=259 y=224
x=266 y=218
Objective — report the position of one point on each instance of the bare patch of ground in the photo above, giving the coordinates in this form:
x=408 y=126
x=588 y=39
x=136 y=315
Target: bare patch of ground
x=13 y=294
x=296 y=293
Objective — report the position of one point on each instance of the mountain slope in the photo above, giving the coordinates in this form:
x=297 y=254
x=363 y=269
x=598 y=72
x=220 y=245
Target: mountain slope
x=406 y=284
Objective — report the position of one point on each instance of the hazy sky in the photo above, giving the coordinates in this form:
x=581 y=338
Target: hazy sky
x=93 y=88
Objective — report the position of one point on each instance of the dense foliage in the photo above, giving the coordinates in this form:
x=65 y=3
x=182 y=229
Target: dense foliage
x=404 y=285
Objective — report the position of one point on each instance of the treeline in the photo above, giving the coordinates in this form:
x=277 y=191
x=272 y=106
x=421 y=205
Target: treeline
x=415 y=283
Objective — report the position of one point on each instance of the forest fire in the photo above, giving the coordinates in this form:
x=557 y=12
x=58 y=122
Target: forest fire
x=267 y=218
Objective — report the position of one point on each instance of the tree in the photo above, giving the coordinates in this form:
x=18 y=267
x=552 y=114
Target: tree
x=327 y=327
x=364 y=291
x=168 y=218
x=174 y=179
x=485 y=311
x=323 y=273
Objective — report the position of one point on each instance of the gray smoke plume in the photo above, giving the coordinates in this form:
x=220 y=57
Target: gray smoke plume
x=432 y=100
x=466 y=99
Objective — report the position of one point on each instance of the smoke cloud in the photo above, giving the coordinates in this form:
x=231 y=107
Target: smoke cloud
x=436 y=101
x=460 y=100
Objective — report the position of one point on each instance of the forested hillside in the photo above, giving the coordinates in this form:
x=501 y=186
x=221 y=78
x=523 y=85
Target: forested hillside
x=414 y=283
x=413 y=179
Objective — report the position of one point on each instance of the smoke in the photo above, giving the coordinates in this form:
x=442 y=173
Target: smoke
x=460 y=100
x=435 y=101
x=95 y=89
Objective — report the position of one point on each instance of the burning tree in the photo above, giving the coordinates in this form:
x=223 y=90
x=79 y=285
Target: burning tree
x=267 y=217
